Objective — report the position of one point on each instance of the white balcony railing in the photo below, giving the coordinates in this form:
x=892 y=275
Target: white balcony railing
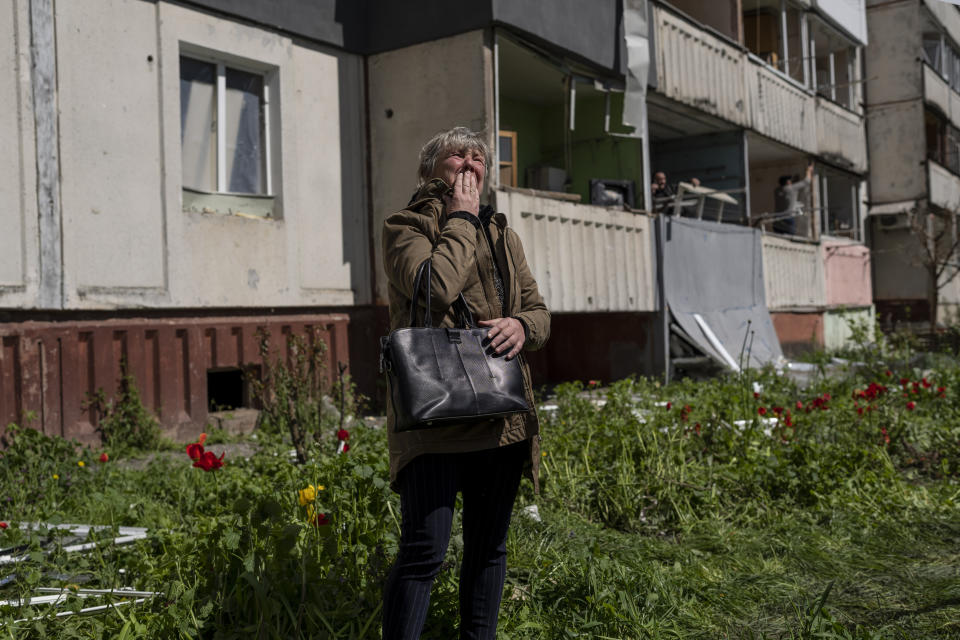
x=944 y=187
x=699 y=69
x=584 y=258
x=841 y=134
x=793 y=274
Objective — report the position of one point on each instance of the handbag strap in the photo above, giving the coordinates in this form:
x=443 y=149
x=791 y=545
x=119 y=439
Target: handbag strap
x=425 y=269
x=422 y=281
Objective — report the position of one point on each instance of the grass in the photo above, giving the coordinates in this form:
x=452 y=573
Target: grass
x=656 y=522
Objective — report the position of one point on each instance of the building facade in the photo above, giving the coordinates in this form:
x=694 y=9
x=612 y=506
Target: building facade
x=913 y=107
x=188 y=173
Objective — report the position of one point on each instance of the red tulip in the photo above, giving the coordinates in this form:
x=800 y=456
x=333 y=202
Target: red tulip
x=669 y=406
x=104 y=457
x=762 y=411
x=799 y=404
x=343 y=434
x=195 y=450
x=911 y=405
x=321 y=519
x=346 y=447
x=209 y=461
x=3 y=525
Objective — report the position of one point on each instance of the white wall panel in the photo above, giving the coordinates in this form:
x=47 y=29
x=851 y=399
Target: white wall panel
x=18 y=196
x=841 y=133
x=584 y=258
x=699 y=69
x=793 y=274
x=781 y=110
x=110 y=157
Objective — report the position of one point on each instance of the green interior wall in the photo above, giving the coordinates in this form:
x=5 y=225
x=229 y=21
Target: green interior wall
x=594 y=154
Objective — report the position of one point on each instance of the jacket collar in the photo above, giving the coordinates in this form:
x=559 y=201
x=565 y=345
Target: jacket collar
x=434 y=190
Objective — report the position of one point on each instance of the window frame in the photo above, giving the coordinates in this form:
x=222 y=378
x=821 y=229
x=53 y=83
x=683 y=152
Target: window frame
x=221 y=199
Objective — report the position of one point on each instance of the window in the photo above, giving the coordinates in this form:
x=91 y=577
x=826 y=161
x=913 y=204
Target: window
x=507 y=155
x=943 y=141
x=833 y=58
x=839 y=203
x=224 y=129
x=773 y=31
x=933 y=50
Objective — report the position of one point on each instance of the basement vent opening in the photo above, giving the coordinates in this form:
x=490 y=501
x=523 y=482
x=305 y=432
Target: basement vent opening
x=227 y=389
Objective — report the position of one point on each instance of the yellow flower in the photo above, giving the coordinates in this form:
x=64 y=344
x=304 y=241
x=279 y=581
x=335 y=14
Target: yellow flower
x=56 y=477
x=81 y=463
x=306 y=496
x=320 y=487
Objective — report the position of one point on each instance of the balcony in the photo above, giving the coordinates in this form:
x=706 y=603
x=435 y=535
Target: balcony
x=584 y=258
x=841 y=136
x=793 y=274
x=702 y=70
x=944 y=187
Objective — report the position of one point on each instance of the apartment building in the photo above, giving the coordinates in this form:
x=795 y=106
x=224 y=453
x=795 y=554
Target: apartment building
x=188 y=172
x=749 y=91
x=913 y=120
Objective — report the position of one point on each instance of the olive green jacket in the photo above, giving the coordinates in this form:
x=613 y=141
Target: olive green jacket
x=462 y=261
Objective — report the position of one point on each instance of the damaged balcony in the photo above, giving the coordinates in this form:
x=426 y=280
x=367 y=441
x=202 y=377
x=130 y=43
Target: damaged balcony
x=763 y=85
x=571 y=181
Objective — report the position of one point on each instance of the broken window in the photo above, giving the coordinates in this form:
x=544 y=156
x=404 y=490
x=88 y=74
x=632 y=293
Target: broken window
x=933 y=50
x=839 y=203
x=560 y=126
x=773 y=31
x=224 y=129
x=833 y=57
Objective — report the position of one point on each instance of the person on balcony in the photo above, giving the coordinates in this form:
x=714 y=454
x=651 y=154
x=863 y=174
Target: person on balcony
x=473 y=251
x=788 y=203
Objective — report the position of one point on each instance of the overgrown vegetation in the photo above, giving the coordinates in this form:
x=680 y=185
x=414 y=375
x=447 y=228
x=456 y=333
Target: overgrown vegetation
x=742 y=507
x=123 y=422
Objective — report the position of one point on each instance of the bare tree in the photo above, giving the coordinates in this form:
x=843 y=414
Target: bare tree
x=936 y=231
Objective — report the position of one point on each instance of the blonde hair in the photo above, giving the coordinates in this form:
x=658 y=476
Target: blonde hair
x=458 y=138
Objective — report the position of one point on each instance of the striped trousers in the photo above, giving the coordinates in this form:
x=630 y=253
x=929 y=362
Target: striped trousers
x=428 y=490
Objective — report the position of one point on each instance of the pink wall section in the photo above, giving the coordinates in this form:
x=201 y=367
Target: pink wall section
x=847 y=272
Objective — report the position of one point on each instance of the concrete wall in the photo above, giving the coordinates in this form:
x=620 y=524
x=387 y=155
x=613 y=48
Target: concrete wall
x=838 y=323
x=798 y=332
x=846 y=267
x=900 y=176
x=19 y=242
x=897 y=270
x=890 y=59
x=415 y=93
x=112 y=178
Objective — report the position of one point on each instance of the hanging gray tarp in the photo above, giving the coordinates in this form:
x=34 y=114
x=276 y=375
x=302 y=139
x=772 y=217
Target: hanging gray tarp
x=713 y=284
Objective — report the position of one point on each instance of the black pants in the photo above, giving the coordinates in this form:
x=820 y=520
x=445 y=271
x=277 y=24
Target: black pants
x=428 y=490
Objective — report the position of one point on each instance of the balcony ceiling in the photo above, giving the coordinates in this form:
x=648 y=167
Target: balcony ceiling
x=765 y=151
x=669 y=120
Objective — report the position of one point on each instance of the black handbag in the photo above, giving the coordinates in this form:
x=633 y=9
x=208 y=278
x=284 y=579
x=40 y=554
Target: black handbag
x=439 y=376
